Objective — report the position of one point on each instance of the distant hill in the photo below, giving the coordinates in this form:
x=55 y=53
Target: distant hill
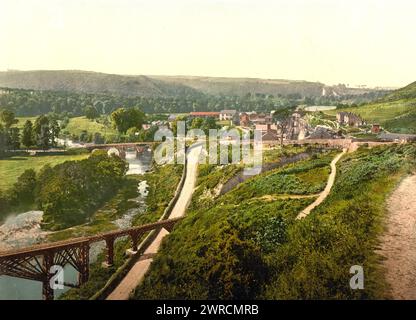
x=242 y=86
x=163 y=86
x=91 y=82
x=396 y=112
x=408 y=92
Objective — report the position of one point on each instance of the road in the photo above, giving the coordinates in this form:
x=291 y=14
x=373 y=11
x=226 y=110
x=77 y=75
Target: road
x=322 y=196
x=398 y=243
x=137 y=273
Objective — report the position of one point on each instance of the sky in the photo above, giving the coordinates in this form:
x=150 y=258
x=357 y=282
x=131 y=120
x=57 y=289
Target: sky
x=356 y=42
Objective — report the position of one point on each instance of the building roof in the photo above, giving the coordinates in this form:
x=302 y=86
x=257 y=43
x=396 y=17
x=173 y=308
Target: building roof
x=206 y=114
x=231 y=112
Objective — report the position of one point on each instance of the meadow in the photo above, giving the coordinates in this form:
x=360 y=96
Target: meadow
x=79 y=124
x=11 y=168
x=395 y=116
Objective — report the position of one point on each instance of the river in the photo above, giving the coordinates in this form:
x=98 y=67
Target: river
x=24 y=229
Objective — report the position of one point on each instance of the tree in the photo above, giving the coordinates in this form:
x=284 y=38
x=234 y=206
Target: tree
x=44 y=137
x=282 y=118
x=28 y=136
x=24 y=189
x=14 y=138
x=197 y=123
x=98 y=138
x=42 y=131
x=91 y=113
x=8 y=118
x=55 y=130
x=124 y=119
x=3 y=140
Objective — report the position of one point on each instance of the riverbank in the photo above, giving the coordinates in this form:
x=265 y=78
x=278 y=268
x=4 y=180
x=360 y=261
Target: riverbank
x=161 y=182
x=138 y=271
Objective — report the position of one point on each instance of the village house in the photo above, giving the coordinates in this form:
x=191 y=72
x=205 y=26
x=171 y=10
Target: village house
x=260 y=118
x=350 y=119
x=230 y=115
x=296 y=128
x=268 y=131
x=375 y=128
x=244 y=120
x=226 y=115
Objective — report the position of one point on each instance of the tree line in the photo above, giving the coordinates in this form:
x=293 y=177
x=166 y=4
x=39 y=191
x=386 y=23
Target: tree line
x=42 y=133
x=68 y=104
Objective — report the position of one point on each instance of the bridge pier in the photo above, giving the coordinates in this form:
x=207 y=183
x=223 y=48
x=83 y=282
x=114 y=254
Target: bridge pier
x=47 y=290
x=110 y=252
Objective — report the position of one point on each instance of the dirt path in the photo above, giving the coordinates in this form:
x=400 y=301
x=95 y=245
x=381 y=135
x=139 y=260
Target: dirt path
x=399 y=242
x=325 y=193
x=137 y=273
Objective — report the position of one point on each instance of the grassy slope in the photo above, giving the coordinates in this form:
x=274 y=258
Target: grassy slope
x=311 y=262
x=22 y=121
x=183 y=270
x=12 y=168
x=78 y=124
x=396 y=112
x=342 y=232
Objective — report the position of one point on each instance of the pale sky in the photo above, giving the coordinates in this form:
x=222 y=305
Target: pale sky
x=370 y=42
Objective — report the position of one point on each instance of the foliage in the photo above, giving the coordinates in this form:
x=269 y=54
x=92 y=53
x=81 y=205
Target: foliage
x=12 y=167
x=70 y=104
x=28 y=135
x=218 y=251
x=307 y=259
x=162 y=181
x=91 y=112
x=161 y=191
x=70 y=192
x=314 y=263
x=124 y=119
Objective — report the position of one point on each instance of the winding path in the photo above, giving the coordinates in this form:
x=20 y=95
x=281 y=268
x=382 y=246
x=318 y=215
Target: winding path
x=137 y=273
x=398 y=244
x=322 y=196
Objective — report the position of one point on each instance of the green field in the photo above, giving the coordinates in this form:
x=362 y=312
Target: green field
x=12 y=168
x=22 y=121
x=79 y=124
x=395 y=116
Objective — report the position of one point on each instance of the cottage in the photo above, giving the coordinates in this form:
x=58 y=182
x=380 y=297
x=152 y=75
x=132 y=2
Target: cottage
x=375 y=128
x=268 y=131
x=226 y=115
x=244 y=120
x=350 y=119
x=260 y=118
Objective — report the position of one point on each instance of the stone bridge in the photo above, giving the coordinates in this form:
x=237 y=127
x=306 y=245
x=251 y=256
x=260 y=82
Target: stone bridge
x=121 y=148
x=35 y=262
